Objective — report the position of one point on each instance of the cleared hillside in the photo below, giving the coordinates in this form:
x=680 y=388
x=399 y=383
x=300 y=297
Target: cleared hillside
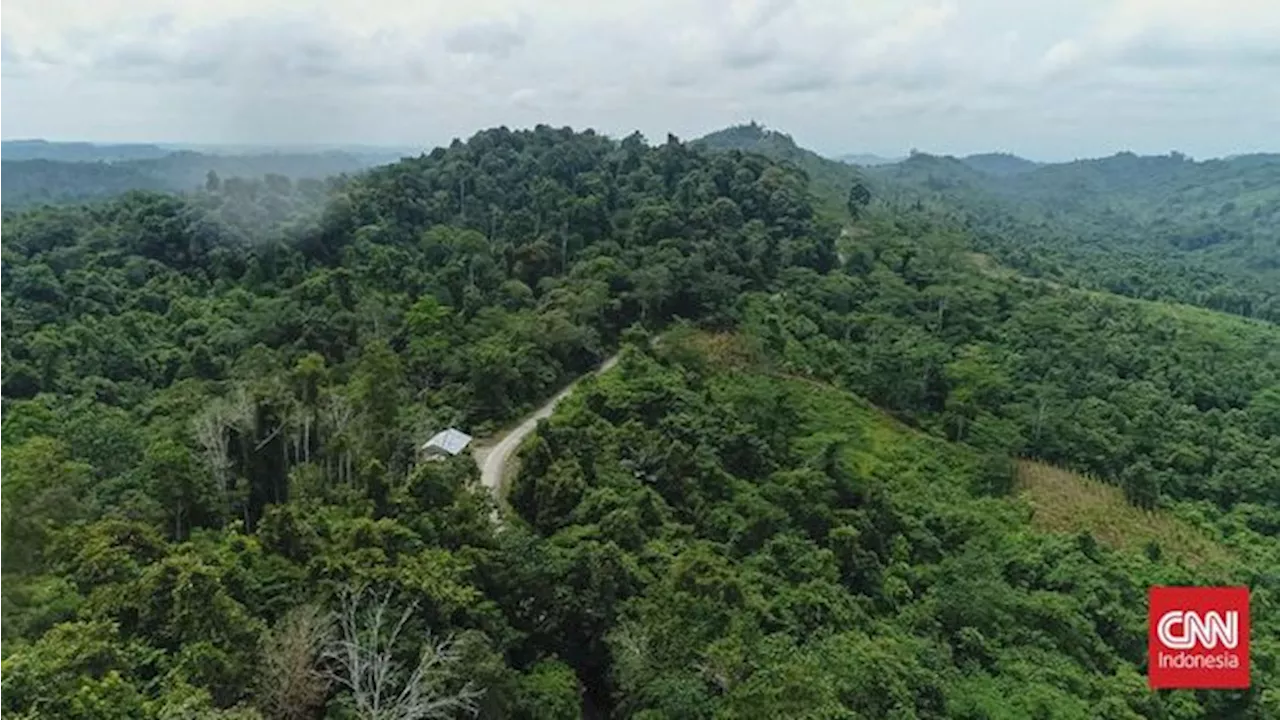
x=1068 y=502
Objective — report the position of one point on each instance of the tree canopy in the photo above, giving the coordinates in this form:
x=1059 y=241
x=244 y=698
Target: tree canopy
x=802 y=491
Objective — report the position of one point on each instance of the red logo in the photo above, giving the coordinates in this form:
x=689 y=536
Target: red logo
x=1198 y=637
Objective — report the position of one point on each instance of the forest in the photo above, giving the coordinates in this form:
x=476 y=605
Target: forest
x=38 y=173
x=1158 y=228
x=1152 y=227
x=802 y=492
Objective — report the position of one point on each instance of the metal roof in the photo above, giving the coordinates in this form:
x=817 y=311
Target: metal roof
x=451 y=441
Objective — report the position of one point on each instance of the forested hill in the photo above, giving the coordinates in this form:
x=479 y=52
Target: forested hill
x=1153 y=227
x=829 y=179
x=35 y=181
x=805 y=507
x=224 y=424
x=80 y=151
x=1156 y=227
x=999 y=164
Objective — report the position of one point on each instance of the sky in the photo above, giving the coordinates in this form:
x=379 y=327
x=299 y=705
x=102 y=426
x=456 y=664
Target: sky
x=1043 y=79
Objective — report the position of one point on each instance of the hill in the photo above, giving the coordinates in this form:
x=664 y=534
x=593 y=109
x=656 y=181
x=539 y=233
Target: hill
x=867 y=159
x=79 y=151
x=37 y=181
x=1157 y=228
x=212 y=405
x=829 y=180
x=999 y=164
x=1161 y=228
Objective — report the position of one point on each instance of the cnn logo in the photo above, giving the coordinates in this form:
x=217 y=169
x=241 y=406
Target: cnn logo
x=1198 y=637
x=1182 y=630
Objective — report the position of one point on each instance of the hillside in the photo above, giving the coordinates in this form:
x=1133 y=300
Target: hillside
x=1119 y=388
x=829 y=180
x=79 y=152
x=1158 y=228
x=1162 y=228
x=867 y=159
x=999 y=164
x=802 y=501
x=38 y=181
x=801 y=547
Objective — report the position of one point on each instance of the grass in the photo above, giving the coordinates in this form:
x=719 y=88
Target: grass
x=1066 y=502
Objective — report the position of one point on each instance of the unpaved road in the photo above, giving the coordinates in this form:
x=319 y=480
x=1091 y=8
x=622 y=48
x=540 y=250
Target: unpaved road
x=493 y=461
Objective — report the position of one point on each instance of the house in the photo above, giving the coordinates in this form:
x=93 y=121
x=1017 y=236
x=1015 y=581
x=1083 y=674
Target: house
x=445 y=443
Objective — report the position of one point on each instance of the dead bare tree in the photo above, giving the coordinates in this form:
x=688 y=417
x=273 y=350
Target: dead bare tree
x=213 y=430
x=338 y=415
x=213 y=435
x=382 y=688
x=292 y=685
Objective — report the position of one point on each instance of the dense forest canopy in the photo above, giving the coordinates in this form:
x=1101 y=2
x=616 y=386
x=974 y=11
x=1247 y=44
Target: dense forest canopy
x=1164 y=228
x=800 y=493
x=1168 y=227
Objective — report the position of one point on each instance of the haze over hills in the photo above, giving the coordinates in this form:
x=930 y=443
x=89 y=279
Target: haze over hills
x=999 y=163
x=81 y=151
x=42 y=172
x=868 y=159
x=37 y=149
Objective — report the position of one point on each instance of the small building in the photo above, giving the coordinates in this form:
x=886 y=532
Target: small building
x=445 y=443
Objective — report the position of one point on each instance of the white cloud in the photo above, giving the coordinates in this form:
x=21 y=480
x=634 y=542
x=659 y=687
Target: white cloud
x=881 y=75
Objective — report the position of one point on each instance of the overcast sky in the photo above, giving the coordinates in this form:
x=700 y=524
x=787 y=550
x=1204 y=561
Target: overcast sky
x=1049 y=80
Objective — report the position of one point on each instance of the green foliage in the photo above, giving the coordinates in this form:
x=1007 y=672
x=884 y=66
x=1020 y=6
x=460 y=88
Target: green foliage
x=1161 y=228
x=549 y=692
x=212 y=405
x=870 y=577
x=859 y=197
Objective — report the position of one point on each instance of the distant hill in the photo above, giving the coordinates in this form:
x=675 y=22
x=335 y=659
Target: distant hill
x=754 y=137
x=1157 y=227
x=79 y=151
x=999 y=163
x=1162 y=227
x=34 y=181
x=867 y=159
x=829 y=180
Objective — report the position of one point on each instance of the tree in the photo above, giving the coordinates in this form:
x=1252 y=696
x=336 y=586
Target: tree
x=308 y=378
x=43 y=489
x=182 y=487
x=376 y=391
x=1141 y=485
x=366 y=661
x=292 y=685
x=858 y=199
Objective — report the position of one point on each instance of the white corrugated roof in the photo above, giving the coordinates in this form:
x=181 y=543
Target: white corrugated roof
x=451 y=441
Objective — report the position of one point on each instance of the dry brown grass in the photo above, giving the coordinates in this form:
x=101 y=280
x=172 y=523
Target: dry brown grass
x=1067 y=502
x=727 y=349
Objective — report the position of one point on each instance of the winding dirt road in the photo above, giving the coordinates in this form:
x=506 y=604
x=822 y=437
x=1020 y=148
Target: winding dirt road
x=494 y=460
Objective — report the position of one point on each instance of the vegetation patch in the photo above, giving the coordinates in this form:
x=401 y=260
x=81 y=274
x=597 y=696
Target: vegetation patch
x=1068 y=502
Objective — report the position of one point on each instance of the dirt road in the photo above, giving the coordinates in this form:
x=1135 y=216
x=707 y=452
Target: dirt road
x=494 y=460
